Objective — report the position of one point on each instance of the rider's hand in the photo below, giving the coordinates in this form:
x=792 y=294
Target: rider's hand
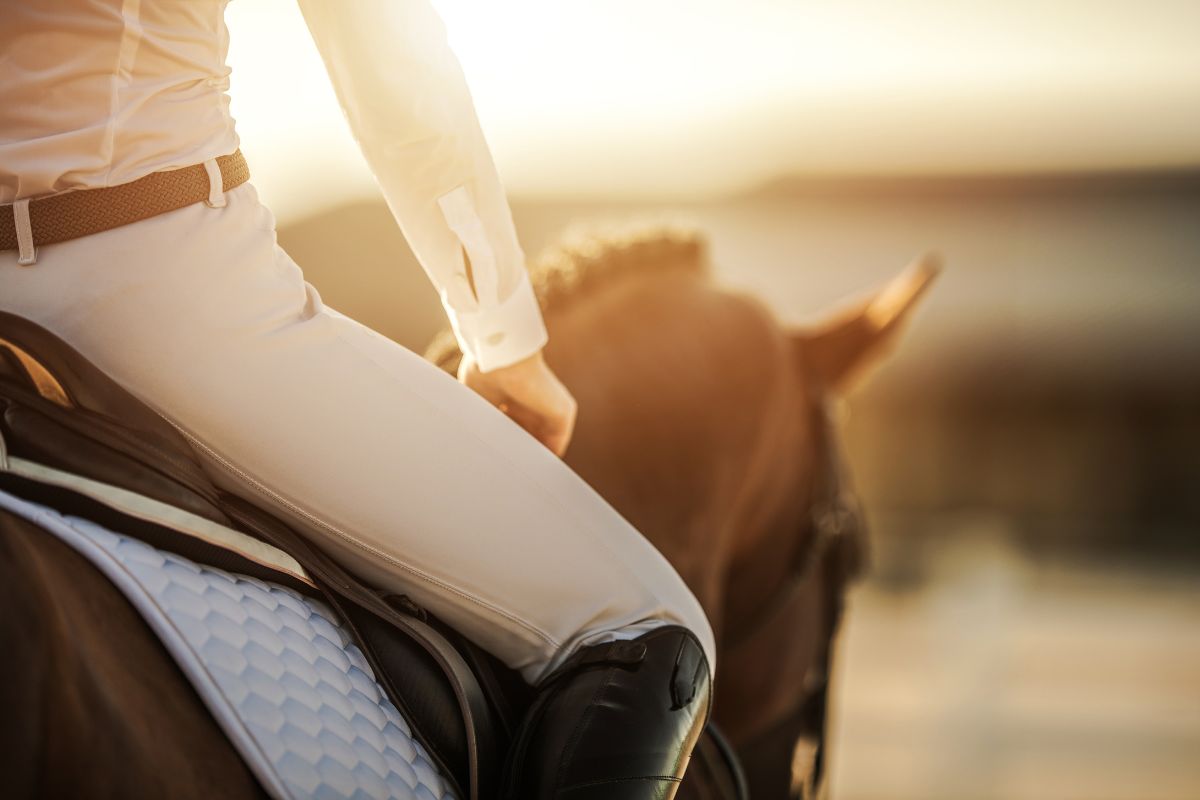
x=530 y=393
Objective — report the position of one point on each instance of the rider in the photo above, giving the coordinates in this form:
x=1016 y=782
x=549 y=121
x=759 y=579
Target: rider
x=394 y=468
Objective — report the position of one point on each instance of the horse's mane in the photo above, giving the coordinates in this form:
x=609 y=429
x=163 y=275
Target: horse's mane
x=586 y=260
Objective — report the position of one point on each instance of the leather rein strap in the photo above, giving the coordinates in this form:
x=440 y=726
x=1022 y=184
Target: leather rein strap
x=70 y=215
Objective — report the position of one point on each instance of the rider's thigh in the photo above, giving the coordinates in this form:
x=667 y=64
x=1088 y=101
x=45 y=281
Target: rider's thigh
x=392 y=465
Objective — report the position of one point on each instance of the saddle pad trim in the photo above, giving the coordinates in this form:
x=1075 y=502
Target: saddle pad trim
x=171 y=637
x=150 y=510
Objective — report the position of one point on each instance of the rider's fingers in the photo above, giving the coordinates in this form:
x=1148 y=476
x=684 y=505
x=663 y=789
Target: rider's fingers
x=552 y=427
x=557 y=434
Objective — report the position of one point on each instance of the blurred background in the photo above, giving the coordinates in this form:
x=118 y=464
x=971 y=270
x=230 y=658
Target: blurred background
x=1029 y=457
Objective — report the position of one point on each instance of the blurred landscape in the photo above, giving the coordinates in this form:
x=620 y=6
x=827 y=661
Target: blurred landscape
x=1030 y=454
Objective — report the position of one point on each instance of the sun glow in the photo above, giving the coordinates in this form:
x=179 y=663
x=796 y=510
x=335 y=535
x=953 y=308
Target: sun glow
x=640 y=97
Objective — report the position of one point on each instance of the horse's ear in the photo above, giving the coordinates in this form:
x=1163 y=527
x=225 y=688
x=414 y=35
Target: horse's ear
x=839 y=349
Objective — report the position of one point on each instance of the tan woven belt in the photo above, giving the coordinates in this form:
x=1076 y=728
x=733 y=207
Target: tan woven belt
x=70 y=215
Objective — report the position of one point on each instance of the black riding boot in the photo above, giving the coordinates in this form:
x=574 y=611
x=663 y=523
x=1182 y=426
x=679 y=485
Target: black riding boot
x=617 y=721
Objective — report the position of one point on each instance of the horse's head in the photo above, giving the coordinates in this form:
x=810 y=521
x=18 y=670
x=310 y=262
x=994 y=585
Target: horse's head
x=704 y=422
x=696 y=405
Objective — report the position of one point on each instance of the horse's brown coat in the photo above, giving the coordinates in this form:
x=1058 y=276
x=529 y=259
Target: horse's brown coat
x=94 y=705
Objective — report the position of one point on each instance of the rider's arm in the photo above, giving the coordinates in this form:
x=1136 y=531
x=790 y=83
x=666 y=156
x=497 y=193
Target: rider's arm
x=408 y=105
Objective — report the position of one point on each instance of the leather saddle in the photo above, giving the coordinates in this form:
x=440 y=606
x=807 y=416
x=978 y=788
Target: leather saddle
x=60 y=411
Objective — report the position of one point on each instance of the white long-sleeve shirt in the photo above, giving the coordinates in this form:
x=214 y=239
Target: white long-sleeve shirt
x=102 y=92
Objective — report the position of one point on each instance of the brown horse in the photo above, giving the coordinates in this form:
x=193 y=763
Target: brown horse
x=701 y=422
x=695 y=424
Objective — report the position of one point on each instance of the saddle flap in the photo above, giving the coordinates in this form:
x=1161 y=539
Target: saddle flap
x=82 y=446
x=61 y=375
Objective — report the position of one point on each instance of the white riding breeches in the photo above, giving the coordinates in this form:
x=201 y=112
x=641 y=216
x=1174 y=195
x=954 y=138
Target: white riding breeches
x=400 y=472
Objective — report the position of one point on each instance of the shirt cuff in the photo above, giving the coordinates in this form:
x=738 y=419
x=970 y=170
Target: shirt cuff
x=504 y=334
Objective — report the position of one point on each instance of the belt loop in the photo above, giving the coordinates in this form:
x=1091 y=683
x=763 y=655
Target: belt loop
x=216 y=185
x=26 y=252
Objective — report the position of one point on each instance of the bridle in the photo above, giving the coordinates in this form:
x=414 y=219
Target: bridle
x=832 y=552
x=835 y=528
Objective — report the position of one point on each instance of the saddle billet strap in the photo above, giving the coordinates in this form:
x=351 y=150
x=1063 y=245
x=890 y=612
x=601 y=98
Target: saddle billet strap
x=509 y=695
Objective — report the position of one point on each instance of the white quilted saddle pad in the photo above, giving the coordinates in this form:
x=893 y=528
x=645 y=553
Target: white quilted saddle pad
x=277 y=670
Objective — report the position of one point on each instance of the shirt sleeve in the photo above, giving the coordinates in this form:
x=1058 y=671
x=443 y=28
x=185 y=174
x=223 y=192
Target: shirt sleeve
x=408 y=105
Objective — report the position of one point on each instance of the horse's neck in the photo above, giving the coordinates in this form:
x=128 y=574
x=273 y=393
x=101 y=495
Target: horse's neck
x=683 y=391
x=769 y=532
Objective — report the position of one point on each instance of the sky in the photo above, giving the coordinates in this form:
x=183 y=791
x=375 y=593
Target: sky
x=666 y=99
